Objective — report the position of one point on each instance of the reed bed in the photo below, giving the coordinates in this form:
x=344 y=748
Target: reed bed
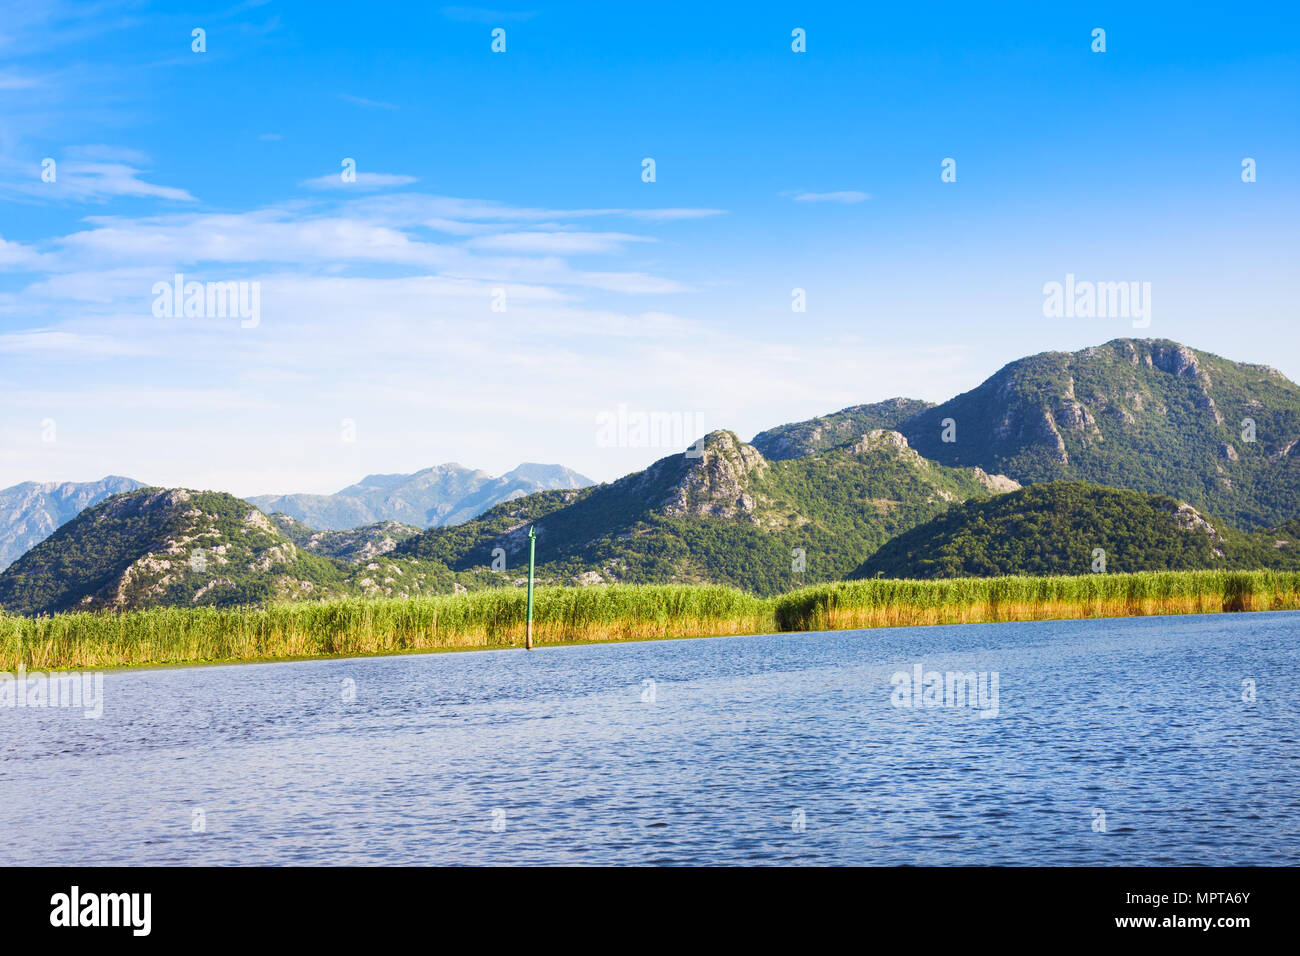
x=360 y=627
x=495 y=618
x=893 y=603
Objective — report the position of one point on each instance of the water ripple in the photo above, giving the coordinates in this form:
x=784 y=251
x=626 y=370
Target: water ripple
x=779 y=749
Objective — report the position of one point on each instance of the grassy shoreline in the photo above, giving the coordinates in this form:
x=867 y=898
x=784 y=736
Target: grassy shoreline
x=495 y=618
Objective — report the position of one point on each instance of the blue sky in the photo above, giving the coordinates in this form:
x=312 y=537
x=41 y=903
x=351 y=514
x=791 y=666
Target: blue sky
x=522 y=171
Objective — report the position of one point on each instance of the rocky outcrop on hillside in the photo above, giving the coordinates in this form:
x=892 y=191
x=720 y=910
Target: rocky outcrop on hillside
x=717 y=483
x=830 y=431
x=354 y=546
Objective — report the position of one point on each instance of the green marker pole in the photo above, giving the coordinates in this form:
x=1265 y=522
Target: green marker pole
x=532 y=547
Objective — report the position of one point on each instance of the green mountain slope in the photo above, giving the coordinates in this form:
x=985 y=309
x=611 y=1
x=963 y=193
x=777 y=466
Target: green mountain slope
x=155 y=547
x=728 y=516
x=1054 y=528
x=819 y=434
x=1145 y=414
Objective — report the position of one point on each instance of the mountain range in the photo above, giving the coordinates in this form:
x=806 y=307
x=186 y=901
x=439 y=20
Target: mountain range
x=1161 y=455
x=442 y=495
x=727 y=516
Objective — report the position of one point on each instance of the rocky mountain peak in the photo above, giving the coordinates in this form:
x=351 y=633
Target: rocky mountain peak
x=884 y=439
x=716 y=481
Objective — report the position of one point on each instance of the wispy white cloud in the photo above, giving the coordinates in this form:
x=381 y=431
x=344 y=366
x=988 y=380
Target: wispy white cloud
x=453 y=227
x=556 y=242
x=658 y=215
x=87 y=174
x=39 y=25
x=847 y=196
x=53 y=342
x=390 y=299
x=629 y=283
x=487 y=241
x=260 y=29
x=11 y=80
x=21 y=257
x=363 y=181
x=369 y=104
x=99 y=181
x=105 y=153
x=412 y=209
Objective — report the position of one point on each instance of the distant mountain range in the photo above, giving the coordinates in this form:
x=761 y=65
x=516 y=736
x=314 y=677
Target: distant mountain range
x=30 y=512
x=1160 y=455
x=442 y=495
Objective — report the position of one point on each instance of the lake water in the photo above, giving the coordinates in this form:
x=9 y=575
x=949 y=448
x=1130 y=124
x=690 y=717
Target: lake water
x=755 y=750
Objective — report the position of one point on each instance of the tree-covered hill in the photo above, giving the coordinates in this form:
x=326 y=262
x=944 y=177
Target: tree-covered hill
x=176 y=546
x=1056 y=527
